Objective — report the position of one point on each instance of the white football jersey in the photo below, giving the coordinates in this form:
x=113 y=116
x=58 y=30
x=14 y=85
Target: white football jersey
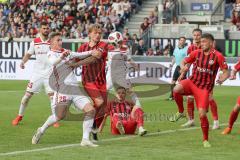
x=53 y=55
x=40 y=48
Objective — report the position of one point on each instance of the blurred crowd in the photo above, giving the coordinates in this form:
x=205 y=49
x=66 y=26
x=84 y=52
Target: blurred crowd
x=21 y=18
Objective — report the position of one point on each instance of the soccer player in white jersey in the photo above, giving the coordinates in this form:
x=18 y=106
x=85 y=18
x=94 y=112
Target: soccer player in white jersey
x=118 y=59
x=58 y=57
x=41 y=70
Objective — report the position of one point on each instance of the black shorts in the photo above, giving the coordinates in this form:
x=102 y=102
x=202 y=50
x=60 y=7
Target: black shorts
x=177 y=73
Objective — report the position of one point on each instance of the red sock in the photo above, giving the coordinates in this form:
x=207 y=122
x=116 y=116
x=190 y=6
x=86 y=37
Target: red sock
x=205 y=127
x=179 y=100
x=139 y=117
x=233 y=118
x=190 y=108
x=214 y=110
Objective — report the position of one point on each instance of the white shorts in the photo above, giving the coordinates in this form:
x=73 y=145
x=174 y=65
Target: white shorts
x=78 y=101
x=36 y=83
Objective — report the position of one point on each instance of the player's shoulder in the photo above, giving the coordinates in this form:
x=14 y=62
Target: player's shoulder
x=217 y=53
x=37 y=40
x=103 y=44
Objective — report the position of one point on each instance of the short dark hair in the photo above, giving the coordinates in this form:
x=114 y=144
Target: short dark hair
x=54 y=34
x=208 y=36
x=197 y=30
x=120 y=87
x=182 y=37
x=43 y=23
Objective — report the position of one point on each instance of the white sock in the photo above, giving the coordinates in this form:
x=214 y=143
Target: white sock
x=87 y=127
x=52 y=105
x=215 y=122
x=50 y=121
x=23 y=105
x=140 y=128
x=135 y=99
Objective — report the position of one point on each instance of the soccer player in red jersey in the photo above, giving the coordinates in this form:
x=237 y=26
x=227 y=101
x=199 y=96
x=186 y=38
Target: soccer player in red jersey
x=125 y=116
x=93 y=73
x=197 y=33
x=200 y=84
x=236 y=109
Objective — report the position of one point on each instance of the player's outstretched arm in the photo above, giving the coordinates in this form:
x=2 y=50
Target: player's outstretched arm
x=54 y=60
x=80 y=55
x=85 y=61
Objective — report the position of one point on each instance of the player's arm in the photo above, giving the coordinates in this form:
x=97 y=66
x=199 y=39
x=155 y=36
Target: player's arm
x=27 y=56
x=223 y=76
x=54 y=60
x=80 y=55
x=224 y=68
x=100 y=129
x=186 y=64
x=96 y=54
x=234 y=71
x=173 y=62
x=107 y=113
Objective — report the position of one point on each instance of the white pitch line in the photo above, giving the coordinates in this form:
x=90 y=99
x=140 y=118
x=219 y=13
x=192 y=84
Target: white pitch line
x=104 y=140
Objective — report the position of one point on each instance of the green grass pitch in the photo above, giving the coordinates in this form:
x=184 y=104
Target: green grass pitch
x=166 y=140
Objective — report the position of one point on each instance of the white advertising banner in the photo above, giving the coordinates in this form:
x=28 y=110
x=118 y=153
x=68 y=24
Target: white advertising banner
x=10 y=70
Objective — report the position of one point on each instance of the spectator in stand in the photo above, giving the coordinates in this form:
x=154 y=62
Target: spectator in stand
x=108 y=28
x=236 y=19
x=183 y=21
x=168 y=50
x=236 y=6
x=158 y=48
x=150 y=52
x=153 y=18
x=62 y=15
x=141 y=49
x=144 y=26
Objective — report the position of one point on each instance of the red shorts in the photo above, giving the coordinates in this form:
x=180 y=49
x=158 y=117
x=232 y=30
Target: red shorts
x=129 y=126
x=94 y=91
x=201 y=96
x=238 y=101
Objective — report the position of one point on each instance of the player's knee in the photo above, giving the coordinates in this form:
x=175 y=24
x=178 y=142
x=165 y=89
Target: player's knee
x=190 y=99
x=26 y=98
x=89 y=110
x=178 y=89
x=202 y=113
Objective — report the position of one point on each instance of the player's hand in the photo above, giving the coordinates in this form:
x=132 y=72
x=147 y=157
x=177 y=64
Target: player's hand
x=95 y=53
x=219 y=82
x=65 y=53
x=220 y=79
x=233 y=75
x=22 y=65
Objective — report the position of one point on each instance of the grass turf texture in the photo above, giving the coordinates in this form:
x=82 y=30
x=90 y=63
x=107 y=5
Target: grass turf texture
x=176 y=145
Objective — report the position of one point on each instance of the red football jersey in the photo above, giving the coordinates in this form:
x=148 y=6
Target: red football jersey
x=237 y=66
x=206 y=67
x=121 y=109
x=95 y=72
x=192 y=47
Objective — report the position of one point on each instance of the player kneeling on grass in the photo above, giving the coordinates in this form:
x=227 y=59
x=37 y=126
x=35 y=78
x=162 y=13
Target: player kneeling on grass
x=236 y=109
x=125 y=116
x=59 y=57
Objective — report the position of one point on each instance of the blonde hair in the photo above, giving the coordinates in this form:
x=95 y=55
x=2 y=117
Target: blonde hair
x=94 y=27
